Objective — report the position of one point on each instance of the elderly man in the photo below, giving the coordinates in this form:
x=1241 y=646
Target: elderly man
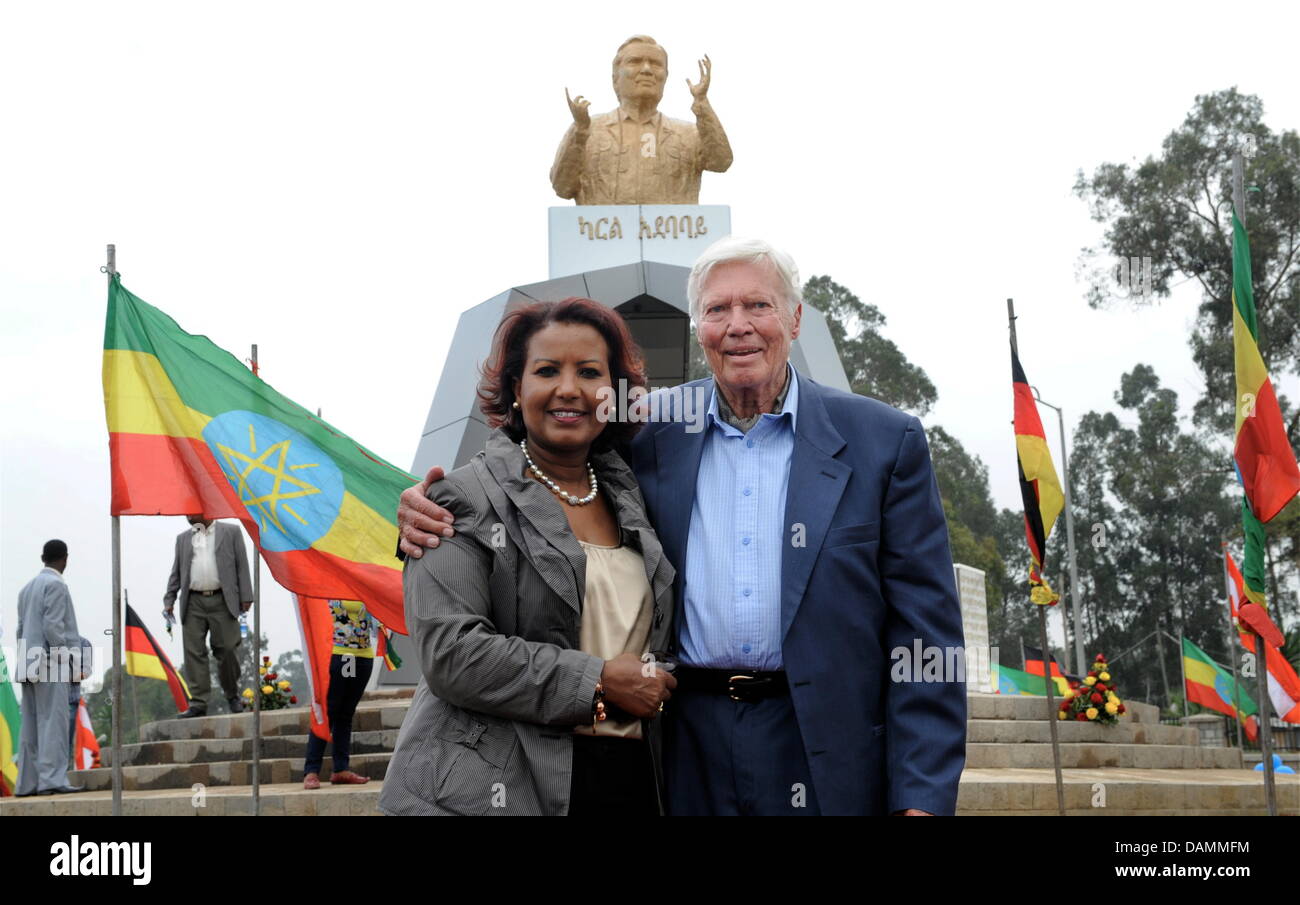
x=635 y=154
x=811 y=548
x=49 y=662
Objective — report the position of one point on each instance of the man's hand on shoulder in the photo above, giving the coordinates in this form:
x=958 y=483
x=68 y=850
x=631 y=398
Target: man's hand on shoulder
x=420 y=521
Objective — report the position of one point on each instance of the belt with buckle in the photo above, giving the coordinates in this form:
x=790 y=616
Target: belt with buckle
x=206 y=593
x=744 y=686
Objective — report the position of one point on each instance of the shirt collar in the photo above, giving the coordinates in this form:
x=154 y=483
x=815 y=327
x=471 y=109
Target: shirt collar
x=624 y=114
x=198 y=528
x=55 y=572
x=787 y=403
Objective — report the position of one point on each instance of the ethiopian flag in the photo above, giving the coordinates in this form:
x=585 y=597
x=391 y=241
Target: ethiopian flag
x=1012 y=681
x=1264 y=459
x=10 y=723
x=1211 y=687
x=193 y=431
x=1039 y=487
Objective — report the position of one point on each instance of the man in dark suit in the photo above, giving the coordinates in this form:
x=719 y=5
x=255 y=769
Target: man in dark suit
x=210 y=575
x=812 y=556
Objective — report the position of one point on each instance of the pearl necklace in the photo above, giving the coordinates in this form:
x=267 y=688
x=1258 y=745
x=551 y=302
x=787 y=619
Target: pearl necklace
x=542 y=476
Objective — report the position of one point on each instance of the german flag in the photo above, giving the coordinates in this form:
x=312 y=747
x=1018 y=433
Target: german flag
x=146 y=660
x=1039 y=486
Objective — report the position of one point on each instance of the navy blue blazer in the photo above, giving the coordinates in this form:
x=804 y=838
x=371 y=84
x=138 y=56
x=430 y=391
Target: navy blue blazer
x=875 y=575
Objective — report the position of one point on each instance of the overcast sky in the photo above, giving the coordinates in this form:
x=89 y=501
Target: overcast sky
x=338 y=182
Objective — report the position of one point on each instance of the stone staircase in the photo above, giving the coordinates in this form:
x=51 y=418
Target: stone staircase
x=1137 y=767
x=203 y=767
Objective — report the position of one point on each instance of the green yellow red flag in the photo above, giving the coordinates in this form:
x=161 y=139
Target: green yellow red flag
x=10 y=723
x=1210 y=686
x=1265 y=462
x=193 y=431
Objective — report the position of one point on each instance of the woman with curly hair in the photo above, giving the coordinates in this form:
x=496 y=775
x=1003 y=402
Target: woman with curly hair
x=534 y=624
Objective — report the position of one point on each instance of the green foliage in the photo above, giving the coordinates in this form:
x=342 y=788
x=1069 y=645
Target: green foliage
x=875 y=366
x=1175 y=208
x=1161 y=497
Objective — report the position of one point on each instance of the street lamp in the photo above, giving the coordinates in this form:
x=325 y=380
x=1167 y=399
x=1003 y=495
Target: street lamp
x=1080 y=664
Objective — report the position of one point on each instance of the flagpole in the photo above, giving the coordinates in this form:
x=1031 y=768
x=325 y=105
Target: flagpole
x=1042 y=635
x=116 y=630
x=257 y=663
x=1069 y=540
x=1261 y=652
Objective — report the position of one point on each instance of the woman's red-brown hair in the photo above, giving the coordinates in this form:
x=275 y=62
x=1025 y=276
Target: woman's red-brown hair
x=505 y=364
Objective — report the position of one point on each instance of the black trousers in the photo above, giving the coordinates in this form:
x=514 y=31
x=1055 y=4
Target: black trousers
x=612 y=777
x=341 y=703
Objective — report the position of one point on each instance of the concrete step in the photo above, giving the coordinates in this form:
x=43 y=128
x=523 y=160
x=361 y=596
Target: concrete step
x=1102 y=754
x=210 y=750
x=371 y=715
x=1032 y=707
x=154 y=777
x=1127 y=792
x=1039 y=732
x=278 y=800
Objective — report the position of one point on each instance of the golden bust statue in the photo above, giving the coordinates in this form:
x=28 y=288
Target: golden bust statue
x=634 y=154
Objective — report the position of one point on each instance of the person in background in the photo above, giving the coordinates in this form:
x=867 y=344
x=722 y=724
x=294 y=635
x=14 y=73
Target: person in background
x=47 y=638
x=210 y=575
x=351 y=663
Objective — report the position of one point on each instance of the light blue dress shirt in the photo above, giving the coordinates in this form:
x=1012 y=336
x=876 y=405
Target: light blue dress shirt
x=732 y=606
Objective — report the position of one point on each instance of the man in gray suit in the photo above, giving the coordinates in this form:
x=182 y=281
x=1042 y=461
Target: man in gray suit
x=49 y=661
x=210 y=575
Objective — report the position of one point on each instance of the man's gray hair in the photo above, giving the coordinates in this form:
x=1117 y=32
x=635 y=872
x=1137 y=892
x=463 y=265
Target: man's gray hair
x=734 y=248
x=637 y=39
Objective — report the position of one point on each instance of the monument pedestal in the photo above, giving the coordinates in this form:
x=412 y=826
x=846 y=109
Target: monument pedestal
x=599 y=236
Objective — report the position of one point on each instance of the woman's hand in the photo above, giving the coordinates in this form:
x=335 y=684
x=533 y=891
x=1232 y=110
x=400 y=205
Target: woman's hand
x=635 y=686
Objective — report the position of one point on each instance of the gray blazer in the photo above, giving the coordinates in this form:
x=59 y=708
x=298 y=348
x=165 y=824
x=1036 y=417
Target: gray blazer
x=232 y=569
x=46 y=622
x=494 y=614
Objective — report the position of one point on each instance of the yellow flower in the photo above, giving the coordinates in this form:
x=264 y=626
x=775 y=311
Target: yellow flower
x=248 y=693
x=261 y=670
x=1105 y=677
x=1092 y=713
x=1091 y=680
x=266 y=689
x=283 y=685
x=1112 y=708
x=1060 y=714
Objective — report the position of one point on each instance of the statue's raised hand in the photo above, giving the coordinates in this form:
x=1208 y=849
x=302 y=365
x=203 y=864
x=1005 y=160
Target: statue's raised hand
x=578 y=107
x=700 y=91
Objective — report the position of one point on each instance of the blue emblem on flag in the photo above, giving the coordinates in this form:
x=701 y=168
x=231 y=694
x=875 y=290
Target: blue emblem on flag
x=285 y=481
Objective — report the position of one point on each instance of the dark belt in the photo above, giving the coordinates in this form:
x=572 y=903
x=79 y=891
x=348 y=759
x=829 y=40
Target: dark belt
x=206 y=593
x=745 y=686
